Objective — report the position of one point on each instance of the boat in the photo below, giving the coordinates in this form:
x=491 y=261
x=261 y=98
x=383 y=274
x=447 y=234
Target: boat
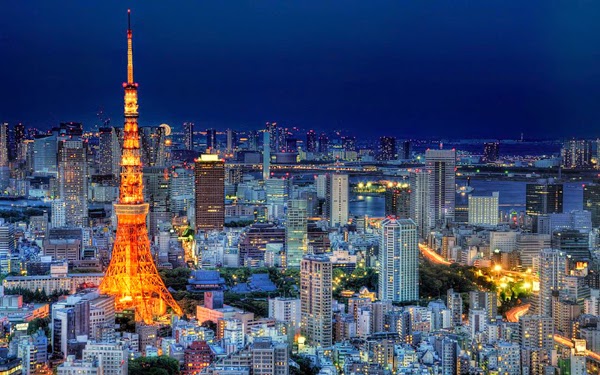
x=465 y=189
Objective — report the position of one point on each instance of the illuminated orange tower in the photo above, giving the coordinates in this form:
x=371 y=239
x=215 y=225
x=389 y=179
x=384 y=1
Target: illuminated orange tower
x=132 y=276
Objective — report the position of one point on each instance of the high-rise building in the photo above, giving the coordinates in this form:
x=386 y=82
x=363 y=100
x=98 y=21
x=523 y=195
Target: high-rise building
x=349 y=143
x=311 y=141
x=338 y=208
x=156 y=193
x=552 y=270
x=285 y=310
x=398 y=261
x=406 y=152
x=484 y=210
x=153 y=146
x=210 y=193
x=509 y=358
x=421 y=201
x=18 y=138
x=576 y=154
x=315 y=300
x=387 y=149
x=268 y=357
x=530 y=245
x=114 y=357
x=484 y=300
x=211 y=140
x=188 y=135
x=443 y=165
x=323 y=143
x=266 y=156
x=397 y=200
x=591 y=202
x=109 y=152
x=73 y=181
x=543 y=198
x=132 y=277
x=574 y=243
x=196 y=357
x=4 y=144
x=231 y=141
x=44 y=154
x=454 y=302
x=296 y=236
x=491 y=152
x=536 y=332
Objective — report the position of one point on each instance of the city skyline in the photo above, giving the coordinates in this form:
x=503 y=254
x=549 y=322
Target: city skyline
x=479 y=72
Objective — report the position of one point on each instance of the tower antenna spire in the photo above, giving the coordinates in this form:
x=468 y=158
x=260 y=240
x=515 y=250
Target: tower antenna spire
x=129 y=49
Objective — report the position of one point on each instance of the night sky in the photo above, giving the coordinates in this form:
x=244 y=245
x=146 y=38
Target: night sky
x=406 y=68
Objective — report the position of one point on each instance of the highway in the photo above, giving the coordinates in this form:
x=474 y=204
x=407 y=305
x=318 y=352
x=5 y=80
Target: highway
x=432 y=256
x=516 y=312
x=566 y=342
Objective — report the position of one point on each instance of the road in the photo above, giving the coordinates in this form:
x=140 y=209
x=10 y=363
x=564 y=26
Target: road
x=566 y=342
x=432 y=256
x=516 y=312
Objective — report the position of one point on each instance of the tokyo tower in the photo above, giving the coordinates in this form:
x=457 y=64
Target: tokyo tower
x=132 y=276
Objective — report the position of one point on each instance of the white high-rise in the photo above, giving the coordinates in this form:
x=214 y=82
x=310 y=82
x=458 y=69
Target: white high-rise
x=339 y=200
x=553 y=269
x=114 y=357
x=483 y=210
x=443 y=165
x=398 y=261
x=296 y=240
x=72 y=181
x=421 y=181
x=285 y=310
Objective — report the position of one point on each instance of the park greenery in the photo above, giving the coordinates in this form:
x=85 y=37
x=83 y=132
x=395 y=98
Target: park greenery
x=39 y=296
x=161 y=365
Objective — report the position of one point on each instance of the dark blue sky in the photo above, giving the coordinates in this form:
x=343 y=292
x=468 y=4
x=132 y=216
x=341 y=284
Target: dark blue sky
x=406 y=68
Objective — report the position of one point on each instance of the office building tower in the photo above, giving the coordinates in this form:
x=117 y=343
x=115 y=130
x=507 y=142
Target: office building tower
x=591 y=201
x=311 y=141
x=397 y=200
x=442 y=164
x=296 y=235
x=188 y=135
x=44 y=154
x=338 y=207
x=76 y=366
x=543 y=198
x=575 y=244
x=406 y=151
x=509 y=358
x=321 y=186
x=153 y=145
x=253 y=140
x=454 y=302
x=277 y=191
x=398 y=261
x=529 y=246
x=552 y=270
x=266 y=155
x=575 y=220
x=484 y=210
x=315 y=300
x=487 y=301
x=268 y=357
x=210 y=193
x=421 y=208
x=73 y=181
x=114 y=357
x=349 y=143
x=156 y=193
x=323 y=143
x=16 y=144
x=109 y=152
x=536 y=332
x=231 y=141
x=7 y=246
x=448 y=352
x=576 y=154
x=491 y=152
x=387 y=149
x=4 y=130
x=211 y=140
x=58 y=211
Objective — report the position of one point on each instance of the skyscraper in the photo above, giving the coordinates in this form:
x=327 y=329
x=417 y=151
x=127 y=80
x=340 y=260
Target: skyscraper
x=18 y=137
x=211 y=139
x=443 y=165
x=311 y=141
x=210 y=193
x=156 y=193
x=315 y=300
x=491 y=152
x=4 y=144
x=132 y=277
x=421 y=184
x=153 y=146
x=484 y=210
x=323 y=143
x=397 y=200
x=387 y=149
x=338 y=214
x=296 y=234
x=72 y=181
x=553 y=269
x=576 y=154
x=349 y=143
x=399 y=261
x=108 y=141
x=591 y=202
x=543 y=198
x=266 y=155
x=231 y=141
x=188 y=135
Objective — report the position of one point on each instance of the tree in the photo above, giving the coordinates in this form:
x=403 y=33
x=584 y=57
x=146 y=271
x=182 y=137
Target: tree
x=162 y=365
